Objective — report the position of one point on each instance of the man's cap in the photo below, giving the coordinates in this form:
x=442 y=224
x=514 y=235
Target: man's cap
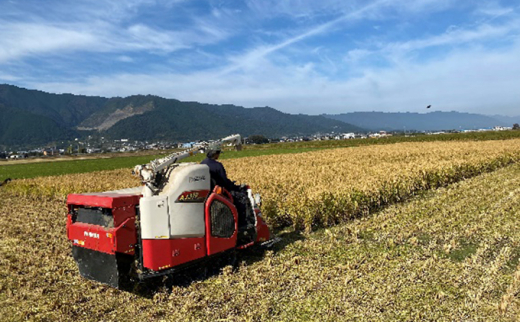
x=212 y=152
x=213 y=149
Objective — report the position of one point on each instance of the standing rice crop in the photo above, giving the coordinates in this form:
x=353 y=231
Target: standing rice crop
x=325 y=187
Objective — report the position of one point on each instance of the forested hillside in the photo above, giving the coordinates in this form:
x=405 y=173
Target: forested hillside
x=18 y=127
x=176 y=120
x=31 y=117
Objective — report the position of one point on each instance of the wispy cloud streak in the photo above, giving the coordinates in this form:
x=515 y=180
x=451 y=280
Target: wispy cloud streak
x=258 y=53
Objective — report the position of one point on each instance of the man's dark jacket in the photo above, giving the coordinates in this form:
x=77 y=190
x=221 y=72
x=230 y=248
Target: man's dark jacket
x=218 y=174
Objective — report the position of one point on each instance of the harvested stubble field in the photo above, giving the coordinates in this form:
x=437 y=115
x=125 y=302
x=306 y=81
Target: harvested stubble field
x=448 y=255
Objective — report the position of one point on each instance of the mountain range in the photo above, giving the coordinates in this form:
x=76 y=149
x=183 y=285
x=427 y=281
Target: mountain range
x=32 y=117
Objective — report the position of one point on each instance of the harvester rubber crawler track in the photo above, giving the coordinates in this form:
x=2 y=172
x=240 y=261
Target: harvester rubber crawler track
x=231 y=254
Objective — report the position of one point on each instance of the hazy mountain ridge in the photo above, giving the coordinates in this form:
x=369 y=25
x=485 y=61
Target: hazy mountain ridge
x=506 y=119
x=432 y=121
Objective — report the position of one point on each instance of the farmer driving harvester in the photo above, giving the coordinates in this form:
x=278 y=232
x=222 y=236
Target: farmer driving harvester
x=219 y=177
x=217 y=171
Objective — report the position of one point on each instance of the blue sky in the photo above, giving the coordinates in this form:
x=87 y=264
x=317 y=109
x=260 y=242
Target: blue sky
x=298 y=56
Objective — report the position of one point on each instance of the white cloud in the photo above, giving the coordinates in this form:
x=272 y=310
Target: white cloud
x=288 y=68
x=4 y=77
x=21 y=39
x=472 y=81
x=420 y=6
x=95 y=26
x=255 y=55
x=125 y=59
x=142 y=37
x=454 y=36
x=356 y=55
x=493 y=9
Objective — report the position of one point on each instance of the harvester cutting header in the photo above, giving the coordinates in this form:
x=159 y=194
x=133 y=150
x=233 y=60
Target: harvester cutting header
x=180 y=217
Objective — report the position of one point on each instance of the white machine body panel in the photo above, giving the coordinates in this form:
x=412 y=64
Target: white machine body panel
x=183 y=196
x=154 y=217
x=187 y=188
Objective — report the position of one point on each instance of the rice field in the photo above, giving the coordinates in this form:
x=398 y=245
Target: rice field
x=322 y=188
x=31 y=168
x=449 y=251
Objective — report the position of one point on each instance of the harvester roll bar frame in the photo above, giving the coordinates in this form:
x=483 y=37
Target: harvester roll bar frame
x=148 y=172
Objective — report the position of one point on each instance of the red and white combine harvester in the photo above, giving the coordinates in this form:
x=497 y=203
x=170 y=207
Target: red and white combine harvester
x=175 y=220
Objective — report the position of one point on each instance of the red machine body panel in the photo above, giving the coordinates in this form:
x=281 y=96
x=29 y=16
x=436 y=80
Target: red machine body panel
x=160 y=254
x=106 y=200
x=215 y=244
x=120 y=238
x=90 y=236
